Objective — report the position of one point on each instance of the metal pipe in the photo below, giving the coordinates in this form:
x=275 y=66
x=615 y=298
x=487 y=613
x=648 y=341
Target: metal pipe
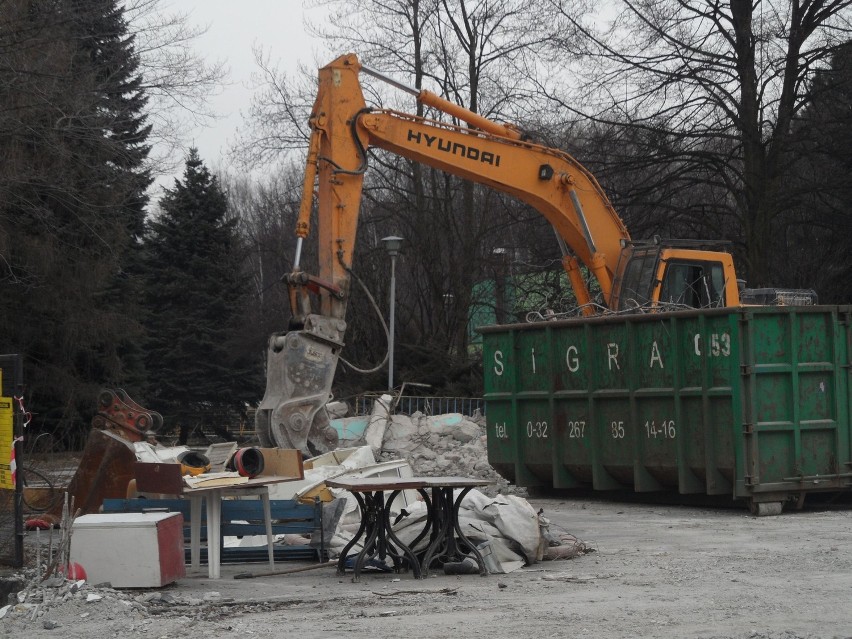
x=298 y=258
x=450 y=108
x=395 y=83
x=392 y=321
x=584 y=225
x=303 y=223
x=563 y=247
x=473 y=119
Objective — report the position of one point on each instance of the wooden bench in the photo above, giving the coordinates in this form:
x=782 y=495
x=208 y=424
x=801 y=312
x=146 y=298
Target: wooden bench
x=241 y=518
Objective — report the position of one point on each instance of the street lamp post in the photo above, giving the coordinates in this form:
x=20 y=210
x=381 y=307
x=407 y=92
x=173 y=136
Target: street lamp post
x=392 y=245
x=500 y=284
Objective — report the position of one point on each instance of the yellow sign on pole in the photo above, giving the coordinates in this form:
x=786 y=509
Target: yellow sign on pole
x=7 y=442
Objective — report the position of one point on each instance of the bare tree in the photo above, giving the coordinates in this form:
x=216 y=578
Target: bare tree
x=814 y=235
x=276 y=130
x=710 y=89
x=177 y=81
x=266 y=213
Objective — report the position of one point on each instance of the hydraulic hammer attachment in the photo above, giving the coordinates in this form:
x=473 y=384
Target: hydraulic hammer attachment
x=299 y=373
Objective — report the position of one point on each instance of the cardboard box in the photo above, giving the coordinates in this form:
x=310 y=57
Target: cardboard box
x=282 y=462
x=164 y=478
x=130 y=550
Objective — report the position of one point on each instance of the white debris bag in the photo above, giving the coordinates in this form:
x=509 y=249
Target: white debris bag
x=512 y=516
x=505 y=528
x=499 y=558
x=497 y=552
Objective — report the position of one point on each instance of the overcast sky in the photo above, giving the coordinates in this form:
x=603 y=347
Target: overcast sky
x=233 y=28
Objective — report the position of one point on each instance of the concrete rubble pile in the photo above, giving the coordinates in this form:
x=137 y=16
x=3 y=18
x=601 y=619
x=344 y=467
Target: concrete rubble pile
x=449 y=444
x=445 y=445
x=59 y=604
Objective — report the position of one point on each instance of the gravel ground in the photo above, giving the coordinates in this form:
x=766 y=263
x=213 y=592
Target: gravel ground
x=658 y=571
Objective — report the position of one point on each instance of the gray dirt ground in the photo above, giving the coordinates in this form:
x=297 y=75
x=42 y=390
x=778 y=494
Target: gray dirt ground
x=659 y=571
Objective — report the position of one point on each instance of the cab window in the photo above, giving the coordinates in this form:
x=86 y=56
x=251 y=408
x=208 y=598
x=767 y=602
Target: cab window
x=638 y=278
x=693 y=284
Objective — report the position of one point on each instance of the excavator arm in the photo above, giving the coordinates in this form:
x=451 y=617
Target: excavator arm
x=486 y=152
x=302 y=361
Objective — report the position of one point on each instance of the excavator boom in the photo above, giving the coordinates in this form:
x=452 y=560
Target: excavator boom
x=549 y=180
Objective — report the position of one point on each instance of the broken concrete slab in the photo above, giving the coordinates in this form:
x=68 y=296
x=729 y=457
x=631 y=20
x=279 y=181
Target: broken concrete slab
x=374 y=435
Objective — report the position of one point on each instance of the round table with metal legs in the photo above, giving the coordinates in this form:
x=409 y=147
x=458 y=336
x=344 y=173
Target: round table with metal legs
x=376 y=530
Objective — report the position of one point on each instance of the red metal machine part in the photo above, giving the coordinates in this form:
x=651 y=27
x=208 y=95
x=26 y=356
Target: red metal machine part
x=119 y=414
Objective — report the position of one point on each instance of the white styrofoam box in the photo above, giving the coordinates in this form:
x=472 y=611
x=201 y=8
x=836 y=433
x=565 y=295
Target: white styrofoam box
x=130 y=550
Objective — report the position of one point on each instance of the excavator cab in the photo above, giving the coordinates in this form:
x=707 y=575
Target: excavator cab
x=674 y=275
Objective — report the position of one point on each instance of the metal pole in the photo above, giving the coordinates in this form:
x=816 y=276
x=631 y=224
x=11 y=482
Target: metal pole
x=392 y=321
x=394 y=83
x=298 y=260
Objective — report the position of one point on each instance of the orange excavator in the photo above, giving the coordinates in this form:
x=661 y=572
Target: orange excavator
x=651 y=275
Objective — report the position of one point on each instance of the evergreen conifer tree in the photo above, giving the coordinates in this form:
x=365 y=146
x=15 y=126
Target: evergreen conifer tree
x=73 y=139
x=124 y=176
x=197 y=296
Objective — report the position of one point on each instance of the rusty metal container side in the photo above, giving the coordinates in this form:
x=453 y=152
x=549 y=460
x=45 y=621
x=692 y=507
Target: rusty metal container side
x=752 y=402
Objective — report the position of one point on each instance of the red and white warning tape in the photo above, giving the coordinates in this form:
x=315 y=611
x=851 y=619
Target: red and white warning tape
x=13 y=465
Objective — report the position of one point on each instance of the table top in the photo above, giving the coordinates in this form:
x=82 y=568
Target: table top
x=165 y=478
x=375 y=484
x=256 y=482
x=455 y=482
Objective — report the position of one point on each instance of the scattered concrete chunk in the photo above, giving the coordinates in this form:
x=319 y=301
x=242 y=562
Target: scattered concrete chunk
x=375 y=433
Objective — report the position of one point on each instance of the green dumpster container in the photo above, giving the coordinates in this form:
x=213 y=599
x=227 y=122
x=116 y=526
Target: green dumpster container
x=753 y=402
